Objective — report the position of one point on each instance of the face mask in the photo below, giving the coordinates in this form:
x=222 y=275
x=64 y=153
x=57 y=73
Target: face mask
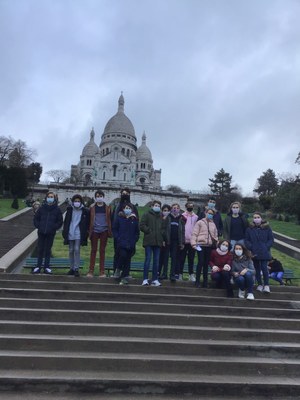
x=223 y=247
x=235 y=210
x=257 y=220
x=156 y=208
x=175 y=211
x=50 y=200
x=211 y=205
x=189 y=209
x=125 y=197
x=238 y=252
x=77 y=204
x=209 y=216
x=166 y=213
x=99 y=199
x=127 y=211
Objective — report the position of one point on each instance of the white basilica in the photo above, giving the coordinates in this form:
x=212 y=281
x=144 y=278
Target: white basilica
x=117 y=160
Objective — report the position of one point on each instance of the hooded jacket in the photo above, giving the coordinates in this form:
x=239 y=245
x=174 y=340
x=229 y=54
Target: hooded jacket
x=48 y=219
x=259 y=240
x=152 y=226
x=126 y=230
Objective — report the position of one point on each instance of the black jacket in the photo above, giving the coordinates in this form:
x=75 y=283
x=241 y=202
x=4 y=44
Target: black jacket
x=48 y=219
x=83 y=225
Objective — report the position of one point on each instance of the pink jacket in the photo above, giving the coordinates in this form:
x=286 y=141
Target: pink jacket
x=203 y=233
x=190 y=220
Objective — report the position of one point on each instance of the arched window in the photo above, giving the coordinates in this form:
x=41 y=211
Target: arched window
x=124 y=176
x=103 y=177
x=127 y=152
x=123 y=150
x=114 y=170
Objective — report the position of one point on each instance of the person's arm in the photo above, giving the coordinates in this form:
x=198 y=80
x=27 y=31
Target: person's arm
x=144 y=225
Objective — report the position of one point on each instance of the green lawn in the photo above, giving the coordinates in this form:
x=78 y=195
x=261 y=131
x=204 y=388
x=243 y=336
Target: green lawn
x=286 y=228
x=5 y=207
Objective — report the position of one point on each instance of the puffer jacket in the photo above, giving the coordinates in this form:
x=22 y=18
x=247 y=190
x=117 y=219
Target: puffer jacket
x=126 y=230
x=259 y=240
x=48 y=219
x=190 y=220
x=152 y=226
x=204 y=232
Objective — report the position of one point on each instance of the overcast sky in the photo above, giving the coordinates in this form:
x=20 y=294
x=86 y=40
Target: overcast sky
x=214 y=83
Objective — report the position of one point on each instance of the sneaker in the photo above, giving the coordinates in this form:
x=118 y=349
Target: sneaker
x=145 y=282
x=47 y=271
x=71 y=272
x=117 y=273
x=76 y=273
x=266 y=289
x=260 y=288
x=156 y=283
x=90 y=274
x=192 y=278
x=177 y=277
x=102 y=276
x=180 y=278
x=250 y=296
x=36 y=270
x=124 y=281
x=241 y=294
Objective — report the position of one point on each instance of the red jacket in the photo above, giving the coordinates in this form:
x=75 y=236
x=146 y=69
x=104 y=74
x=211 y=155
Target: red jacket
x=220 y=260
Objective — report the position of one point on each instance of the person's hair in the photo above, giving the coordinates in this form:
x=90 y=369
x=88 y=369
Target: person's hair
x=235 y=202
x=125 y=189
x=212 y=198
x=223 y=241
x=175 y=204
x=166 y=206
x=188 y=203
x=258 y=213
x=127 y=205
x=155 y=201
x=206 y=209
x=246 y=252
x=77 y=196
x=100 y=193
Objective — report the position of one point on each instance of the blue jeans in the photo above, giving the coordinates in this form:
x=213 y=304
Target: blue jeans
x=277 y=276
x=245 y=281
x=148 y=253
x=74 y=254
x=261 y=266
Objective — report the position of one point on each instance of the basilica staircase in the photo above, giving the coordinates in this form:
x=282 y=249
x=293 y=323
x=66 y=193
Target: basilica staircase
x=68 y=337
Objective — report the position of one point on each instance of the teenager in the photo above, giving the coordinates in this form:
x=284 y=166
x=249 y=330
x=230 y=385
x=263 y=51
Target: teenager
x=189 y=219
x=220 y=262
x=235 y=225
x=165 y=249
x=243 y=271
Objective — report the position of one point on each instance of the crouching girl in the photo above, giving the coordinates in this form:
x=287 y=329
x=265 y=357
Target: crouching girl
x=220 y=262
x=243 y=271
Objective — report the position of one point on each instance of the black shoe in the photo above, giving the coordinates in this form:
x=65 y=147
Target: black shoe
x=36 y=270
x=197 y=285
x=71 y=272
x=76 y=273
x=173 y=278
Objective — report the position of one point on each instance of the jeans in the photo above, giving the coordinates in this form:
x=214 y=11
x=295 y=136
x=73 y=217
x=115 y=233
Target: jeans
x=222 y=277
x=148 y=253
x=261 y=266
x=245 y=281
x=277 y=276
x=45 y=243
x=124 y=261
x=102 y=237
x=164 y=261
x=203 y=261
x=190 y=252
x=74 y=254
x=175 y=258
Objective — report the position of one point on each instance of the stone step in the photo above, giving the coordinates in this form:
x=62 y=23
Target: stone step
x=148 y=363
x=86 y=316
x=148 y=331
x=148 y=346
x=139 y=306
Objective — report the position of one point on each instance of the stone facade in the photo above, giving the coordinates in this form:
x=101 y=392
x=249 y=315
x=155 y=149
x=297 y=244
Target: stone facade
x=117 y=161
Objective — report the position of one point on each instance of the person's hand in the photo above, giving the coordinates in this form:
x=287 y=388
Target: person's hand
x=164 y=244
x=215 y=269
x=236 y=274
x=226 y=267
x=243 y=272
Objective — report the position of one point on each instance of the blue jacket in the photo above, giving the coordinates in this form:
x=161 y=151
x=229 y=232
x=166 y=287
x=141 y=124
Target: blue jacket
x=259 y=240
x=126 y=230
x=48 y=219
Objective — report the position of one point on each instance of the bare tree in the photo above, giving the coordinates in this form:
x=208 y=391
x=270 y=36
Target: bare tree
x=6 y=146
x=58 y=175
x=21 y=155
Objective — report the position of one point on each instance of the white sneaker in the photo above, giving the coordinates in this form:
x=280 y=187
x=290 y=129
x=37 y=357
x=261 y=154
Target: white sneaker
x=241 y=294
x=260 y=288
x=156 y=283
x=145 y=282
x=266 y=289
x=180 y=277
x=192 y=278
x=250 y=296
x=117 y=273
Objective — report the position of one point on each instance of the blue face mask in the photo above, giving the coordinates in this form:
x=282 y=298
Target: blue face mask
x=127 y=211
x=156 y=209
x=209 y=216
x=211 y=205
x=50 y=200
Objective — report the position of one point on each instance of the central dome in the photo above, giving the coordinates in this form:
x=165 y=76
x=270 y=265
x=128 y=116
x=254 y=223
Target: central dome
x=119 y=123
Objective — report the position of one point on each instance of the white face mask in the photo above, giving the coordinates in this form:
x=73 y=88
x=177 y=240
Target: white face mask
x=238 y=252
x=223 y=247
x=77 y=204
x=235 y=210
x=99 y=199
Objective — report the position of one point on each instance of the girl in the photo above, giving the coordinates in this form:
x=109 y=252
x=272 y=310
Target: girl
x=126 y=234
x=165 y=249
x=75 y=231
x=259 y=240
x=220 y=262
x=204 y=235
x=243 y=271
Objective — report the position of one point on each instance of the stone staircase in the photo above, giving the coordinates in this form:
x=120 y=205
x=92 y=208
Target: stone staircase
x=68 y=337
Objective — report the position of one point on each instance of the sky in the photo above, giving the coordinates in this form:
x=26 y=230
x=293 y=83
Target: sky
x=213 y=83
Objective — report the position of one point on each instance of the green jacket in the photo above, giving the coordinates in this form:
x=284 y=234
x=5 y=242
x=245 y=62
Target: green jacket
x=152 y=226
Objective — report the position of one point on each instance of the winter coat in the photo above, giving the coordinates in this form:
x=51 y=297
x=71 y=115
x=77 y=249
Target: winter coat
x=190 y=220
x=48 y=219
x=204 y=232
x=83 y=225
x=167 y=230
x=259 y=240
x=92 y=219
x=126 y=230
x=152 y=226
x=220 y=259
x=217 y=220
x=227 y=225
x=240 y=263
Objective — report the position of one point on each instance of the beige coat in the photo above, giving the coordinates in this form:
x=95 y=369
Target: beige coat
x=204 y=232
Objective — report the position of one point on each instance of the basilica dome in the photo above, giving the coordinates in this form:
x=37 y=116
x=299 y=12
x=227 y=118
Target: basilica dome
x=90 y=149
x=143 y=152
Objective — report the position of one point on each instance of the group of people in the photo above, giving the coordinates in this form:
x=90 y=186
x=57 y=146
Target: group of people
x=233 y=249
